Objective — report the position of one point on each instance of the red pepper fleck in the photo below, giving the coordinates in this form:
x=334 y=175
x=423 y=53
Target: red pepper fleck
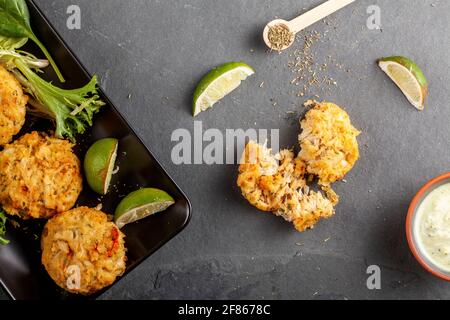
x=115 y=240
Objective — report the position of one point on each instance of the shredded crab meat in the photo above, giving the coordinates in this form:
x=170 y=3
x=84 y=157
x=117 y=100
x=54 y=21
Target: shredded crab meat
x=12 y=106
x=328 y=143
x=279 y=183
x=276 y=183
x=84 y=239
x=40 y=176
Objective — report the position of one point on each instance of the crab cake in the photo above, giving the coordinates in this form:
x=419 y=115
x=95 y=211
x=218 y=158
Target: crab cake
x=39 y=176
x=12 y=106
x=277 y=184
x=328 y=143
x=83 y=252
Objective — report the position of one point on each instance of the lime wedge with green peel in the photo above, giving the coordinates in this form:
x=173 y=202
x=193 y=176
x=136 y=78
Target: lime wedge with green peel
x=218 y=83
x=408 y=77
x=99 y=164
x=140 y=204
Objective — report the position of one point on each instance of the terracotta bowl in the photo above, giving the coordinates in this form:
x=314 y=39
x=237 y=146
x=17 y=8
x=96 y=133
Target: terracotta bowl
x=410 y=222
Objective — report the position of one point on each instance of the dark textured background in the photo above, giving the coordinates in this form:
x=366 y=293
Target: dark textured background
x=156 y=49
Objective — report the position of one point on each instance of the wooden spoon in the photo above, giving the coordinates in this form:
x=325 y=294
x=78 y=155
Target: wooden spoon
x=305 y=20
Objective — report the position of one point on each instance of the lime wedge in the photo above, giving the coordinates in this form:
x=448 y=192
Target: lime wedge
x=408 y=77
x=218 y=83
x=140 y=204
x=99 y=164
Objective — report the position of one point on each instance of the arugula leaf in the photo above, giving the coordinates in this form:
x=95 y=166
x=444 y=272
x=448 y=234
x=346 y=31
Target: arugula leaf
x=15 y=23
x=3 y=241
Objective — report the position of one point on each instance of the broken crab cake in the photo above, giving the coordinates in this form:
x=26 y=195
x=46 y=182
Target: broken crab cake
x=276 y=183
x=328 y=143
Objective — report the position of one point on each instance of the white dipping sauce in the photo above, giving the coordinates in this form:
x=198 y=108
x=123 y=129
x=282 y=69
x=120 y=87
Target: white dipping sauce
x=432 y=227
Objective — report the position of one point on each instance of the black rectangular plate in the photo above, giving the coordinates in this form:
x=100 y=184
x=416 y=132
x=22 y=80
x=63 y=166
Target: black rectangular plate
x=21 y=272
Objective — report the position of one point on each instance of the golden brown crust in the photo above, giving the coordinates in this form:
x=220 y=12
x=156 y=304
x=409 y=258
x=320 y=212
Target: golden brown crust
x=83 y=252
x=39 y=176
x=328 y=143
x=277 y=184
x=12 y=106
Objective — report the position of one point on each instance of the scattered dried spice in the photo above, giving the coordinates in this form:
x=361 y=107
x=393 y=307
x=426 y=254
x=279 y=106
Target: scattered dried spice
x=279 y=37
x=311 y=74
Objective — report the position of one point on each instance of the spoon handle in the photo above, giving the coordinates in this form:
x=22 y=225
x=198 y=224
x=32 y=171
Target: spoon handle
x=317 y=14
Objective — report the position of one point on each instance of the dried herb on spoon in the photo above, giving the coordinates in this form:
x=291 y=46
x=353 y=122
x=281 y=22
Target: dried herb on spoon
x=279 y=37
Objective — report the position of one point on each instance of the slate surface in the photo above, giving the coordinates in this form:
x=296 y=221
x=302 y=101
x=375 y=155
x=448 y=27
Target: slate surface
x=150 y=55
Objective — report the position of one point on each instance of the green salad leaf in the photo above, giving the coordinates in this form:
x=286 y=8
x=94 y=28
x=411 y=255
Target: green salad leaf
x=15 y=23
x=3 y=241
x=17 y=7
x=72 y=110
x=7 y=58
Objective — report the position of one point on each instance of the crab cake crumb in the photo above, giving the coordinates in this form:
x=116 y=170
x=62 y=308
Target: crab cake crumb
x=277 y=184
x=328 y=143
x=39 y=176
x=83 y=252
x=12 y=106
